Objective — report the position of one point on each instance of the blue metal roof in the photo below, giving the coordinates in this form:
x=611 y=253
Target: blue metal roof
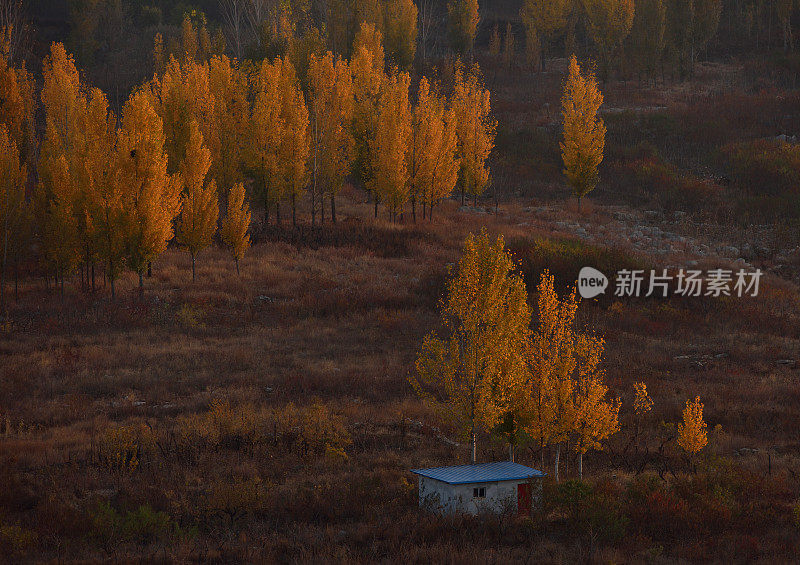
x=480 y=473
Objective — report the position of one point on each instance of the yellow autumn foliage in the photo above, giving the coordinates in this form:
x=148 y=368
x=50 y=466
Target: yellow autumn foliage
x=236 y=224
x=584 y=132
x=693 y=431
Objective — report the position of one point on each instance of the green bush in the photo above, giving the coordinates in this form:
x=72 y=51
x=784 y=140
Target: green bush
x=142 y=526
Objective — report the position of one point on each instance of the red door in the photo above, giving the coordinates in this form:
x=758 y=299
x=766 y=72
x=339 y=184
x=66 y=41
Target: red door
x=524 y=499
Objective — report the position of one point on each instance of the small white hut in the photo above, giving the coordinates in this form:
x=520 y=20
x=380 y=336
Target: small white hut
x=487 y=487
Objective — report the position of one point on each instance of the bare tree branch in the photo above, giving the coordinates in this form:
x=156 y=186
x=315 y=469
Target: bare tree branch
x=235 y=18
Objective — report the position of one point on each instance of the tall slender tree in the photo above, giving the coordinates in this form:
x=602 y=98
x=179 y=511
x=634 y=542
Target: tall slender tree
x=544 y=20
x=609 y=22
x=331 y=104
x=400 y=32
x=647 y=37
x=432 y=161
x=368 y=77
x=105 y=202
x=295 y=142
x=197 y=222
x=584 y=131
x=14 y=213
x=391 y=142
x=469 y=373
x=266 y=127
x=230 y=114
x=476 y=131
x=151 y=196
x=61 y=199
x=236 y=224
x=464 y=18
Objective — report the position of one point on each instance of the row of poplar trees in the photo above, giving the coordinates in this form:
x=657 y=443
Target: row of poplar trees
x=491 y=369
x=650 y=33
x=116 y=191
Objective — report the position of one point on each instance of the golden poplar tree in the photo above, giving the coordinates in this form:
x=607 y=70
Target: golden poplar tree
x=470 y=373
x=266 y=128
x=159 y=57
x=565 y=394
x=368 y=76
x=14 y=213
x=331 y=104
x=596 y=418
x=236 y=224
x=609 y=22
x=295 y=142
x=105 y=201
x=693 y=432
x=432 y=161
x=151 y=197
x=464 y=18
x=57 y=217
x=584 y=131
x=19 y=102
x=197 y=223
x=544 y=20
x=189 y=39
x=642 y=403
x=400 y=32
x=476 y=131
x=183 y=94
x=229 y=118
x=62 y=199
x=391 y=142
x=550 y=414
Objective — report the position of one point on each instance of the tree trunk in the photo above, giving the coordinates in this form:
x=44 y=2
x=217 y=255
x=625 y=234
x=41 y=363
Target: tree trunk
x=93 y=285
x=474 y=442
x=511 y=452
x=294 y=215
x=313 y=206
x=414 y=210
x=110 y=275
x=237 y=266
x=424 y=209
x=580 y=465
x=558 y=456
x=194 y=274
x=278 y=213
x=333 y=207
x=266 y=205
x=376 y=207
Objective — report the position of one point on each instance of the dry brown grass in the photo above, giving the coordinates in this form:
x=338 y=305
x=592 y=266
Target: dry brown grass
x=196 y=383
